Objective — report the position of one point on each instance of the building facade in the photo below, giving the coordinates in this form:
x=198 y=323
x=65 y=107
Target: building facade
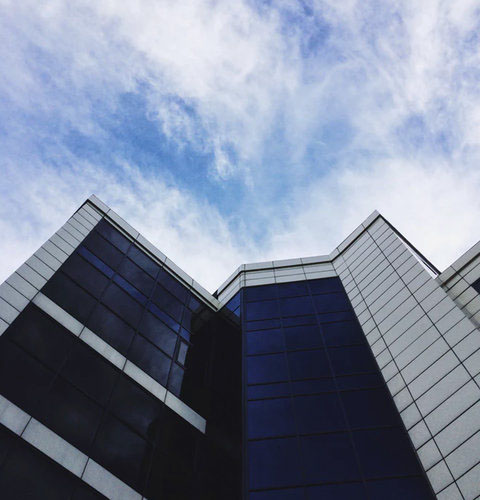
x=354 y=375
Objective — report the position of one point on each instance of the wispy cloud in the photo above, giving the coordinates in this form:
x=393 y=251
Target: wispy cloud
x=241 y=130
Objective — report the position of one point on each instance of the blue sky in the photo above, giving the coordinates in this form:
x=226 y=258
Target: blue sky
x=230 y=132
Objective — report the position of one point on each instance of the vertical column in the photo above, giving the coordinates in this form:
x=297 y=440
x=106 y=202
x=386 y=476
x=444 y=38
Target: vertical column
x=428 y=352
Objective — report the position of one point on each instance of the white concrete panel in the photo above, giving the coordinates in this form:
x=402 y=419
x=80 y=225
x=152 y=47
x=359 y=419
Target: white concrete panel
x=186 y=412
x=105 y=482
x=13 y=297
x=55 y=447
x=12 y=417
x=57 y=313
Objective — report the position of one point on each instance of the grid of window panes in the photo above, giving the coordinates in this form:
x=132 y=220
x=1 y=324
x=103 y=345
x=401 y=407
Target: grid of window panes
x=320 y=423
x=135 y=306
x=132 y=303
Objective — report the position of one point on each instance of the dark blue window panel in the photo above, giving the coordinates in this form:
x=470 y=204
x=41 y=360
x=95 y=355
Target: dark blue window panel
x=313 y=386
x=167 y=302
x=342 y=333
x=168 y=320
x=194 y=304
x=98 y=263
x=353 y=359
x=265 y=341
x=331 y=302
x=7 y=440
x=136 y=276
x=111 y=328
x=399 y=489
x=123 y=304
x=274 y=463
x=137 y=408
x=70 y=414
x=360 y=381
x=69 y=296
x=175 y=379
x=172 y=285
x=41 y=336
x=85 y=275
x=270 y=418
x=150 y=359
x=299 y=320
x=130 y=289
x=122 y=452
x=268 y=390
x=185 y=334
x=370 y=408
x=233 y=304
x=262 y=310
x=296 y=306
x=187 y=318
x=23 y=380
x=254 y=293
x=385 y=452
x=266 y=368
x=89 y=371
x=308 y=364
x=303 y=337
x=263 y=325
x=182 y=353
x=330 y=317
x=158 y=332
x=103 y=249
x=112 y=235
x=325 y=285
x=347 y=491
x=293 y=289
x=329 y=458
x=84 y=492
x=28 y=474
x=320 y=413
x=284 y=494
x=146 y=263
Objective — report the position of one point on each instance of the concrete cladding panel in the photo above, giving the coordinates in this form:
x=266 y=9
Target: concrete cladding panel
x=426 y=347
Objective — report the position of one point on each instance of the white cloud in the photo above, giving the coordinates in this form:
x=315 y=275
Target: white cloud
x=329 y=125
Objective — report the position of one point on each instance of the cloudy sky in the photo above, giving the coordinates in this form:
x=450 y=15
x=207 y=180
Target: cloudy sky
x=241 y=130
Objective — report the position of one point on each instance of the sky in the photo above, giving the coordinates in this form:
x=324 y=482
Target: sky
x=239 y=131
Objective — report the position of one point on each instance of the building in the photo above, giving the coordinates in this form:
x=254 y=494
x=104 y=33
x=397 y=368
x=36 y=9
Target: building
x=352 y=375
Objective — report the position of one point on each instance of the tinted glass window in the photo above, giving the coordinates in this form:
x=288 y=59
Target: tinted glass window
x=342 y=333
x=111 y=328
x=270 y=417
x=89 y=371
x=124 y=305
x=158 y=332
x=41 y=336
x=303 y=337
x=308 y=364
x=265 y=341
x=262 y=310
x=329 y=457
x=321 y=413
x=112 y=235
x=85 y=275
x=123 y=452
x=70 y=414
x=146 y=263
x=103 y=249
x=274 y=463
x=268 y=368
x=65 y=293
x=150 y=359
x=136 y=276
x=296 y=306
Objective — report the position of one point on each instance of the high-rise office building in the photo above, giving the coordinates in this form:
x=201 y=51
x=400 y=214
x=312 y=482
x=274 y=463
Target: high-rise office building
x=354 y=375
